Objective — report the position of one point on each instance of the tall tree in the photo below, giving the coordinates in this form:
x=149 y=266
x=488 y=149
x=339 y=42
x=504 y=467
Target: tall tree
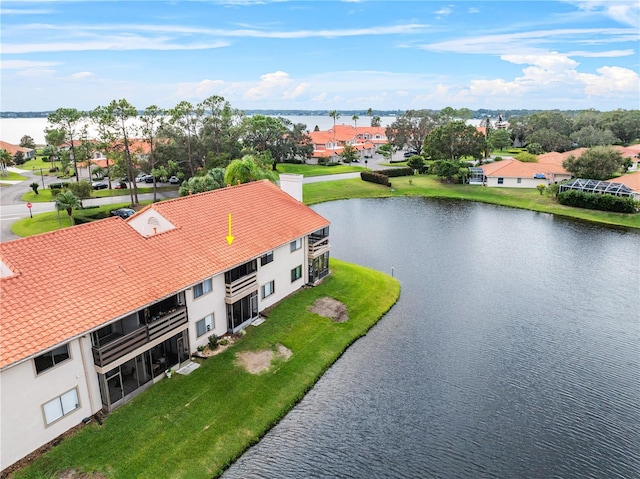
x=590 y=136
x=500 y=139
x=187 y=119
x=70 y=121
x=116 y=121
x=454 y=141
x=27 y=142
x=411 y=128
x=220 y=126
x=625 y=124
x=213 y=180
x=151 y=122
x=335 y=115
x=597 y=163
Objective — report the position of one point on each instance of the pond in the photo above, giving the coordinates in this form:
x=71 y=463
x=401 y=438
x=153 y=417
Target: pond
x=514 y=351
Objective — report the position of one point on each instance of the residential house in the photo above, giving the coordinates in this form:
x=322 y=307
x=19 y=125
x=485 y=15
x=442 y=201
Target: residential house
x=513 y=173
x=94 y=314
x=12 y=149
x=631 y=181
x=365 y=139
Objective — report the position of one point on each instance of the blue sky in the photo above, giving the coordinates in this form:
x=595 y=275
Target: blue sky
x=322 y=55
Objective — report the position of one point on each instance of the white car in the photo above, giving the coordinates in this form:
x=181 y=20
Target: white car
x=174 y=180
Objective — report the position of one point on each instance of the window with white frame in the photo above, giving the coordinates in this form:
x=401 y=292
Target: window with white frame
x=202 y=288
x=205 y=325
x=60 y=406
x=268 y=289
x=51 y=358
x=296 y=245
x=266 y=258
x=296 y=273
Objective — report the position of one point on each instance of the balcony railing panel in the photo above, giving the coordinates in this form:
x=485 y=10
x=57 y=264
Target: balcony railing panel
x=317 y=249
x=130 y=342
x=240 y=288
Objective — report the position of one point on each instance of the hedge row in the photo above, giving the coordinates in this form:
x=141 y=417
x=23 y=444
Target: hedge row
x=597 y=201
x=372 y=177
x=401 y=171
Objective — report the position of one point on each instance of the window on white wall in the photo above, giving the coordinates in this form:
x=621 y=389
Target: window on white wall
x=268 y=289
x=296 y=245
x=202 y=288
x=296 y=273
x=60 y=406
x=51 y=358
x=205 y=325
x=266 y=258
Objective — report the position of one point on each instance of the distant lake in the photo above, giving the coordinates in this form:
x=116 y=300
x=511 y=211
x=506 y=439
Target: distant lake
x=12 y=129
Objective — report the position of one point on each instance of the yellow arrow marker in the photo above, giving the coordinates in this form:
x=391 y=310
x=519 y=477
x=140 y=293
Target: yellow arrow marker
x=230 y=237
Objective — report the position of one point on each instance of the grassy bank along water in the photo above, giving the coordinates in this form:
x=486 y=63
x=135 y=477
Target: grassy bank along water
x=195 y=426
x=430 y=186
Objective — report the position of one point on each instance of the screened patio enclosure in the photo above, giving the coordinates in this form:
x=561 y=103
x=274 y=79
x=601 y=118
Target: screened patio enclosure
x=597 y=186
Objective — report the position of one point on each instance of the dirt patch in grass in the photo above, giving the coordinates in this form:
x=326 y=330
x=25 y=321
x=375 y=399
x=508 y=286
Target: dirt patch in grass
x=257 y=362
x=330 y=308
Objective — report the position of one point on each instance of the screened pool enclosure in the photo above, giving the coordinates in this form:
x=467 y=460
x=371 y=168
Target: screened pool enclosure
x=596 y=186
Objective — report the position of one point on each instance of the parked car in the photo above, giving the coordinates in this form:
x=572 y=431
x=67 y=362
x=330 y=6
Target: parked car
x=410 y=153
x=59 y=185
x=123 y=213
x=120 y=185
x=99 y=185
x=140 y=177
x=174 y=180
x=148 y=179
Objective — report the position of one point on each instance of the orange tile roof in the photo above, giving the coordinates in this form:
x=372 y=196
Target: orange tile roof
x=518 y=169
x=632 y=180
x=13 y=149
x=70 y=281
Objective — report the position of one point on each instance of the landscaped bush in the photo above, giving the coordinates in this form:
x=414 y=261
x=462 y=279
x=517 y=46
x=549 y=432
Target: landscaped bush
x=86 y=217
x=597 y=201
x=393 y=172
x=323 y=160
x=333 y=163
x=213 y=342
x=372 y=177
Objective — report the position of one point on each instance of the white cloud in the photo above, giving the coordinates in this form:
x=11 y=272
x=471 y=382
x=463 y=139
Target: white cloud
x=81 y=75
x=36 y=72
x=276 y=85
x=627 y=12
x=473 y=10
x=605 y=54
x=444 y=11
x=612 y=81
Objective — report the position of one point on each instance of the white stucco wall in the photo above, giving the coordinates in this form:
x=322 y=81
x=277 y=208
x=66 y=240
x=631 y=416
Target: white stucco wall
x=212 y=302
x=284 y=260
x=23 y=393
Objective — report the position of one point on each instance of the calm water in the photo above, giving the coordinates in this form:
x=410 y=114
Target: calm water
x=514 y=351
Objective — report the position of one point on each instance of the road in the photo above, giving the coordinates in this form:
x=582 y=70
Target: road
x=12 y=208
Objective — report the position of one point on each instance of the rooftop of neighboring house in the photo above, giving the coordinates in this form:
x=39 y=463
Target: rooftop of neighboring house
x=59 y=285
x=13 y=149
x=631 y=180
x=558 y=158
x=512 y=168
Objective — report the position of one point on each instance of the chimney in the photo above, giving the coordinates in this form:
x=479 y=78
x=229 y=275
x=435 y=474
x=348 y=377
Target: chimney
x=292 y=184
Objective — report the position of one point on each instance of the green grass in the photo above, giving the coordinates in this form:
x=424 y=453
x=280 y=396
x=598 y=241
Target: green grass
x=39 y=162
x=11 y=176
x=195 y=426
x=45 y=222
x=317 y=170
x=429 y=186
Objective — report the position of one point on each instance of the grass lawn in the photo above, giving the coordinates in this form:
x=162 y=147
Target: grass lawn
x=317 y=170
x=11 y=176
x=429 y=186
x=195 y=426
x=54 y=220
x=39 y=162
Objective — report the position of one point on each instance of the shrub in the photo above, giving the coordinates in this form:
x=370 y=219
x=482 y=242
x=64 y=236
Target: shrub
x=526 y=157
x=323 y=160
x=497 y=158
x=597 y=201
x=393 y=172
x=332 y=163
x=213 y=341
x=224 y=342
x=372 y=177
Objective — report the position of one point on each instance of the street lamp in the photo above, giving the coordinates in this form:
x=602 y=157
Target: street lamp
x=42 y=178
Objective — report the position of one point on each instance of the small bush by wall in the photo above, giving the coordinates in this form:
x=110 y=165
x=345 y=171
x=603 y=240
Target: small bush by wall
x=597 y=201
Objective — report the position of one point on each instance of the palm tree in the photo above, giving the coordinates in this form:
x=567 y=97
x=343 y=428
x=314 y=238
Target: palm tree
x=245 y=170
x=335 y=115
x=370 y=113
x=355 y=122
x=66 y=200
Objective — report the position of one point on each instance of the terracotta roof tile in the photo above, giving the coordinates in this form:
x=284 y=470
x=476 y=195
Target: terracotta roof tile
x=70 y=281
